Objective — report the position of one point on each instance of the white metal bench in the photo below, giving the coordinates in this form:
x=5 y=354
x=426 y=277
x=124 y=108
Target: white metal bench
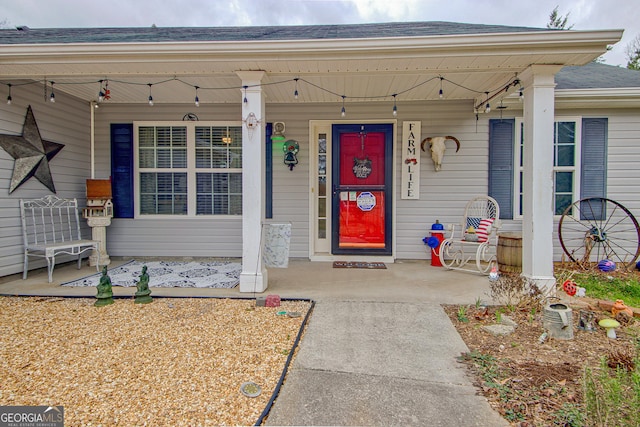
x=458 y=250
x=51 y=227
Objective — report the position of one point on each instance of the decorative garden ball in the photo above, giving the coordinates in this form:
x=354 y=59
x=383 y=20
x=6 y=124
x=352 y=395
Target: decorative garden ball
x=638 y=265
x=570 y=287
x=606 y=265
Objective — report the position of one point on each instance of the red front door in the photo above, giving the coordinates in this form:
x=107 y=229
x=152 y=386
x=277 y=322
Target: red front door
x=362 y=190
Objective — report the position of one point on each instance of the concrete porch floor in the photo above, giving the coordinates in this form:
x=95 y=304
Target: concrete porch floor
x=402 y=281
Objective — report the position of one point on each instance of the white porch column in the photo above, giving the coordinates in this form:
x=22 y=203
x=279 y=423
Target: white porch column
x=537 y=203
x=254 y=274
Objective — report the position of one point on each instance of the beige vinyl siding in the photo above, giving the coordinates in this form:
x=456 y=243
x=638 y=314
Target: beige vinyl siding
x=206 y=236
x=443 y=195
x=66 y=122
x=623 y=158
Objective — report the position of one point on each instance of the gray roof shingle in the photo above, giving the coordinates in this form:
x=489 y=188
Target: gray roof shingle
x=595 y=75
x=25 y=35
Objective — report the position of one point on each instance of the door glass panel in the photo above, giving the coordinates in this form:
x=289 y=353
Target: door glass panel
x=362 y=222
x=362 y=159
x=322 y=229
x=322 y=186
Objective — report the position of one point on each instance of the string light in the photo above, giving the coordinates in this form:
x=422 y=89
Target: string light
x=150 y=97
x=104 y=94
x=295 y=93
x=197 y=100
x=395 y=107
x=9 y=99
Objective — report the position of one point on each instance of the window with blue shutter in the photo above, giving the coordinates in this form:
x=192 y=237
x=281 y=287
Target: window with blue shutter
x=594 y=164
x=122 y=169
x=501 y=146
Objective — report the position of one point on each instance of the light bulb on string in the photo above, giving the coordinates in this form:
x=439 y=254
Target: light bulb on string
x=295 y=93
x=9 y=99
x=52 y=98
x=197 y=100
x=441 y=93
x=395 y=107
x=245 y=100
x=343 y=112
x=150 y=96
x=487 y=106
x=521 y=96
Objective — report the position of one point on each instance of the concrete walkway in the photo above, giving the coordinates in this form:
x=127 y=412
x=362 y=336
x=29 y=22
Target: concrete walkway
x=379 y=349
x=380 y=364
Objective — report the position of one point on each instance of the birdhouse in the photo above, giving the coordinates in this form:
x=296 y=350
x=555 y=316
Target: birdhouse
x=99 y=197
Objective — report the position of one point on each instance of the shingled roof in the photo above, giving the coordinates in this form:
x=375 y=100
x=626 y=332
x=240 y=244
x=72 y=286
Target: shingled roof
x=597 y=76
x=25 y=35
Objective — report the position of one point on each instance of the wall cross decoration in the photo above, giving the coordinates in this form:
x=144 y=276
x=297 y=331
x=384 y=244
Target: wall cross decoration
x=31 y=153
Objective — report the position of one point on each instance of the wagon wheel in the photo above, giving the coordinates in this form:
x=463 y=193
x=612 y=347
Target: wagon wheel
x=594 y=229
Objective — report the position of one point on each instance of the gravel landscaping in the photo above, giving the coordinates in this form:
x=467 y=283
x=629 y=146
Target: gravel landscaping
x=172 y=362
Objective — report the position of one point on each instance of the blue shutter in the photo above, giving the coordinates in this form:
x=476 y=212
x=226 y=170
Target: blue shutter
x=268 y=211
x=501 y=146
x=122 y=169
x=593 y=173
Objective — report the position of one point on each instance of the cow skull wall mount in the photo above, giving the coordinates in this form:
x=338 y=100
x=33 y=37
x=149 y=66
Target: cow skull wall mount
x=438 y=147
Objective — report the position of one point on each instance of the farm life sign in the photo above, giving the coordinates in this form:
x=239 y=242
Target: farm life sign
x=410 y=160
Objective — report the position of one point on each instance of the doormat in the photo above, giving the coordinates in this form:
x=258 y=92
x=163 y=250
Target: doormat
x=357 y=264
x=170 y=274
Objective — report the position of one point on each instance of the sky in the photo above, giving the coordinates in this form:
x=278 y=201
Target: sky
x=583 y=14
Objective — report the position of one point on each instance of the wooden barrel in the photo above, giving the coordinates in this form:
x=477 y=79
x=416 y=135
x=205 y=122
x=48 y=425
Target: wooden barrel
x=509 y=252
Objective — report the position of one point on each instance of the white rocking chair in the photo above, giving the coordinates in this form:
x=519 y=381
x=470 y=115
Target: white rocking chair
x=482 y=213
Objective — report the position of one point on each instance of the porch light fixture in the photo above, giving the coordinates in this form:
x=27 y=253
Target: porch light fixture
x=9 y=99
x=441 y=93
x=487 y=107
x=278 y=132
x=150 y=97
x=197 y=100
x=343 y=112
x=52 y=97
x=295 y=93
x=395 y=107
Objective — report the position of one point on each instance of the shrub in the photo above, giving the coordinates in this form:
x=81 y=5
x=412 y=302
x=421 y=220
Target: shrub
x=516 y=291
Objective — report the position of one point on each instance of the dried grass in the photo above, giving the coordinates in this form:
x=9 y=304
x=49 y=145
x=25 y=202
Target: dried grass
x=172 y=362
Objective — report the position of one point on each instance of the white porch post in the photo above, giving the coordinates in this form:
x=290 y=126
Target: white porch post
x=254 y=274
x=537 y=203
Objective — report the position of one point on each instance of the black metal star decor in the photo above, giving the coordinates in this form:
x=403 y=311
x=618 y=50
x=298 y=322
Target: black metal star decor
x=31 y=153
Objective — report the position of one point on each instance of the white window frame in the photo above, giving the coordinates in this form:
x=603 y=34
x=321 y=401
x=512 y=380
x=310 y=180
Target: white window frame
x=191 y=169
x=576 y=168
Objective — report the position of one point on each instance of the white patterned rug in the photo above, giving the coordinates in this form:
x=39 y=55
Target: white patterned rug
x=170 y=274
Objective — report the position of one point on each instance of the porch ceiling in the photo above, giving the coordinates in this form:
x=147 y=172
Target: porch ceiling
x=360 y=69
